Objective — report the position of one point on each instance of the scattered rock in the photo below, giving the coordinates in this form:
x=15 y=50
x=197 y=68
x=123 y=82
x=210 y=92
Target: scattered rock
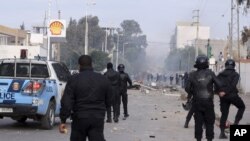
x=152 y=136
x=164 y=117
x=177 y=112
x=156 y=118
x=163 y=111
x=115 y=129
x=184 y=97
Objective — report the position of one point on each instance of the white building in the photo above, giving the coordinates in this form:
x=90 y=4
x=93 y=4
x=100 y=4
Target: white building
x=14 y=41
x=186 y=32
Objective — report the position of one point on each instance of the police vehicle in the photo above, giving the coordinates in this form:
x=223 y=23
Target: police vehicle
x=32 y=88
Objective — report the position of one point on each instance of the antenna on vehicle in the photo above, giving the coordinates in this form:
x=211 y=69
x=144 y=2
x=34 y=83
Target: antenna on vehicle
x=38 y=56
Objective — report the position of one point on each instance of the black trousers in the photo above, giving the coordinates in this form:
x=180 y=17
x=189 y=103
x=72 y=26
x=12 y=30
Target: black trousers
x=225 y=105
x=190 y=114
x=204 y=114
x=124 y=97
x=115 y=103
x=91 y=128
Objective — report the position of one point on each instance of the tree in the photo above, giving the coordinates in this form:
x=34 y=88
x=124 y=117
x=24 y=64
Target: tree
x=131 y=27
x=245 y=35
x=131 y=34
x=100 y=60
x=96 y=35
x=75 y=36
x=135 y=44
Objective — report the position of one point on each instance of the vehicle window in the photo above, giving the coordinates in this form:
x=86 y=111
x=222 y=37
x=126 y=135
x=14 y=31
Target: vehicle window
x=7 y=69
x=39 y=70
x=62 y=71
x=23 y=70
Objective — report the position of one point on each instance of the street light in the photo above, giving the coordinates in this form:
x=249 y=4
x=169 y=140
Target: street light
x=87 y=28
x=123 y=49
x=117 y=45
x=117 y=50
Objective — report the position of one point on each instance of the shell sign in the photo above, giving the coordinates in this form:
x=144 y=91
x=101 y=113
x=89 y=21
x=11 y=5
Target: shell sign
x=57 y=28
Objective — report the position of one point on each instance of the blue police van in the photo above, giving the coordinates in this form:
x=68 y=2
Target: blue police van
x=32 y=89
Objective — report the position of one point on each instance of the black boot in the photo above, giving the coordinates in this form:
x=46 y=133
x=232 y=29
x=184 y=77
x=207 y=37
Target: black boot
x=126 y=115
x=116 y=120
x=222 y=134
x=186 y=124
x=109 y=120
x=209 y=139
x=198 y=139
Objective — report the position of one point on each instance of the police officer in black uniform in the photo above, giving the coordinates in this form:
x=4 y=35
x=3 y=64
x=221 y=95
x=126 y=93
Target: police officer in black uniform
x=200 y=85
x=230 y=78
x=85 y=99
x=123 y=89
x=114 y=78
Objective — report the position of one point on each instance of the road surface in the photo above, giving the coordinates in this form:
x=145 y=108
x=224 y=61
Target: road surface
x=155 y=116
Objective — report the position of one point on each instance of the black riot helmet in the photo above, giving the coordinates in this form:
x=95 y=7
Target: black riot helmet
x=230 y=64
x=121 y=68
x=201 y=62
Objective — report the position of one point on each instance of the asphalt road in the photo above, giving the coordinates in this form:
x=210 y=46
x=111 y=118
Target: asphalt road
x=155 y=116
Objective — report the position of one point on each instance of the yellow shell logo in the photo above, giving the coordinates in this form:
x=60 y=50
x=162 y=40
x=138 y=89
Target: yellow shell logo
x=56 y=28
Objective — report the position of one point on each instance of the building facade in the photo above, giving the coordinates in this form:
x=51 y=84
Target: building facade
x=186 y=32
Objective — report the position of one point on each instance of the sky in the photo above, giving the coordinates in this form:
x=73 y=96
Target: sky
x=157 y=18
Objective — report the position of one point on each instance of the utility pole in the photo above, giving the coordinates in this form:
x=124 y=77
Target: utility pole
x=117 y=50
x=87 y=27
x=106 y=40
x=86 y=33
x=229 y=51
x=235 y=30
x=48 y=31
x=197 y=22
x=238 y=34
x=58 y=44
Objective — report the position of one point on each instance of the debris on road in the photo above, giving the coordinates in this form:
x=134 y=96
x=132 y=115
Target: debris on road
x=152 y=136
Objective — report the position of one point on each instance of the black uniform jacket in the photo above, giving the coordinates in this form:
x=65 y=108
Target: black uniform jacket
x=124 y=80
x=86 y=95
x=114 y=77
x=201 y=84
x=230 y=80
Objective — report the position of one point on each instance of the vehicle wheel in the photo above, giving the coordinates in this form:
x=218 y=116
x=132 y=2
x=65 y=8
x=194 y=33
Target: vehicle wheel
x=48 y=120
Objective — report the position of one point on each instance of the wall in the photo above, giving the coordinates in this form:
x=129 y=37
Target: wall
x=245 y=76
x=187 y=33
